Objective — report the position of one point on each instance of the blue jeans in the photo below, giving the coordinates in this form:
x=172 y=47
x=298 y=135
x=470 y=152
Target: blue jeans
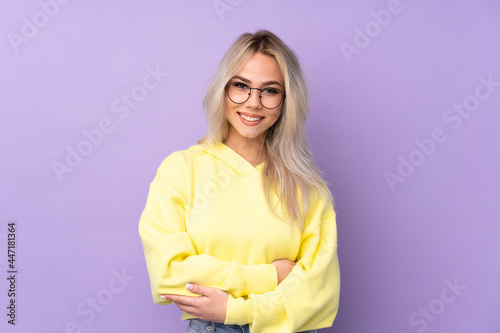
x=202 y=326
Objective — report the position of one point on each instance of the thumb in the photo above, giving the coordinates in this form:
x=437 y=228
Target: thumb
x=205 y=291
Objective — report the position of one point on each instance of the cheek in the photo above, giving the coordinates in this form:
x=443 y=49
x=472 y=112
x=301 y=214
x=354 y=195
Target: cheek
x=227 y=109
x=229 y=106
x=275 y=115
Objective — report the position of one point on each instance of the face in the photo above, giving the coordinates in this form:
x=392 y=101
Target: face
x=250 y=120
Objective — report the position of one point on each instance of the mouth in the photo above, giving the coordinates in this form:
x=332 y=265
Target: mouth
x=250 y=120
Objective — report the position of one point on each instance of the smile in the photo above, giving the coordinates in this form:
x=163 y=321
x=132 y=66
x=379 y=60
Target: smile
x=247 y=120
x=250 y=118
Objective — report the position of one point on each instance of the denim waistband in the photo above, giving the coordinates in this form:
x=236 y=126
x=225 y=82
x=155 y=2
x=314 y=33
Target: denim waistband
x=210 y=326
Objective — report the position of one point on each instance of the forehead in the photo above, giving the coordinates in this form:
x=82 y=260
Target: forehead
x=261 y=68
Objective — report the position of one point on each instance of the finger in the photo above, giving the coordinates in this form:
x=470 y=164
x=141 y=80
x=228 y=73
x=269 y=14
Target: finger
x=187 y=300
x=201 y=290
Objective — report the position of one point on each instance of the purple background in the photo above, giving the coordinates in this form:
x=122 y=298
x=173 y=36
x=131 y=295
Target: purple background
x=400 y=248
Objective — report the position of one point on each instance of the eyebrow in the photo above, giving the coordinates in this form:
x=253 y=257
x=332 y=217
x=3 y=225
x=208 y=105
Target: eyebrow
x=249 y=81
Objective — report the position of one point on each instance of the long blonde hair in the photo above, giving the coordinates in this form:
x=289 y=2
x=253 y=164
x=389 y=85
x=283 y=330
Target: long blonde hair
x=289 y=170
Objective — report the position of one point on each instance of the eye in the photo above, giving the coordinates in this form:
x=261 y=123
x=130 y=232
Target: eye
x=240 y=85
x=270 y=91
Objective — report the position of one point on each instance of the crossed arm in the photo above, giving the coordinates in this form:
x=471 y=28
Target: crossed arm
x=212 y=304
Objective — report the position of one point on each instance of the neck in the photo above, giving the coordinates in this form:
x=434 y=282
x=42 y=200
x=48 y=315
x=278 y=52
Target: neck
x=251 y=150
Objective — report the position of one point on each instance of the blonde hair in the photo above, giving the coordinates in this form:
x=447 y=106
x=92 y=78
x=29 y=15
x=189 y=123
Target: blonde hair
x=289 y=170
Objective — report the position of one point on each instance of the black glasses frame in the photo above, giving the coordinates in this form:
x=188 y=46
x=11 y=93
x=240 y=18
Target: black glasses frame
x=228 y=85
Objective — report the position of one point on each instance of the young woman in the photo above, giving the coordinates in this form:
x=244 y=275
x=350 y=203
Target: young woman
x=239 y=230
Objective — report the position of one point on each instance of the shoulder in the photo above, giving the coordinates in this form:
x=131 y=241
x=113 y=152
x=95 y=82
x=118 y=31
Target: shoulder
x=178 y=160
x=180 y=163
x=173 y=170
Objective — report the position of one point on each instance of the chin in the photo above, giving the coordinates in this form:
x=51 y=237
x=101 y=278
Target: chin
x=250 y=135
x=245 y=133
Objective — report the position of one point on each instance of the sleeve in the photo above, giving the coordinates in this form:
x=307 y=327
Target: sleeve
x=308 y=297
x=171 y=257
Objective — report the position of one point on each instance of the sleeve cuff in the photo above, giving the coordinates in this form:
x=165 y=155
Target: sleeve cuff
x=239 y=311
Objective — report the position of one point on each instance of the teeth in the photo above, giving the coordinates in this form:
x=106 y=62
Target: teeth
x=249 y=118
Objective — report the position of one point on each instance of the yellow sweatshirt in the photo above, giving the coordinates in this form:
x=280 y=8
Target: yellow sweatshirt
x=206 y=221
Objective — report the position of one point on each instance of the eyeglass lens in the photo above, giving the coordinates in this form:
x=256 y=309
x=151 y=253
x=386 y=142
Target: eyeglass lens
x=239 y=93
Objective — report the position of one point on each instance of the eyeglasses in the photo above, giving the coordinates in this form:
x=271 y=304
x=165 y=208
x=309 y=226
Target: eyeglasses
x=239 y=93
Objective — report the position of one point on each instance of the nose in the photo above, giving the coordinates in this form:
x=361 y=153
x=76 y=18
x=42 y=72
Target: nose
x=254 y=99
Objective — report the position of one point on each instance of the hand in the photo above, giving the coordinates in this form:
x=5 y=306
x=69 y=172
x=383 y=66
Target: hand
x=283 y=267
x=210 y=306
